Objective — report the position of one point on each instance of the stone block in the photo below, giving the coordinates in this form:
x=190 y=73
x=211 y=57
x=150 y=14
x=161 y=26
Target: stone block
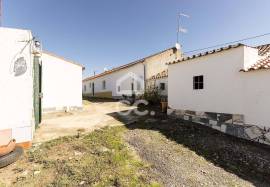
x=186 y=117
x=223 y=128
x=212 y=122
x=253 y=132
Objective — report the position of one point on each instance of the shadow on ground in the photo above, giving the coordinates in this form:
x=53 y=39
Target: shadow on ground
x=99 y=100
x=248 y=160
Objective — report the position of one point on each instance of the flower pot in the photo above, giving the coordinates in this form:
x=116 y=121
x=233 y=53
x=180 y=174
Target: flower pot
x=5 y=136
x=164 y=106
x=6 y=149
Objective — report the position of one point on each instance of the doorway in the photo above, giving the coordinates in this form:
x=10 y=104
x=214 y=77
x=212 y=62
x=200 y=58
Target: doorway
x=37 y=90
x=93 y=89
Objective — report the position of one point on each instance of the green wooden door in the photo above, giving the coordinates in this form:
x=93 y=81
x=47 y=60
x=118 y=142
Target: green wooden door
x=37 y=90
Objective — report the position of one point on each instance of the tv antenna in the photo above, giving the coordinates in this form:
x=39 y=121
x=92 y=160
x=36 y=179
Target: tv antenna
x=0 y=13
x=179 y=28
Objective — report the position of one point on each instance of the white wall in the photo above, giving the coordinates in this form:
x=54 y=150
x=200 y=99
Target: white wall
x=16 y=92
x=222 y=91
x=112 y=78
x=61 y=83
x=226 y=90
x=256 y=94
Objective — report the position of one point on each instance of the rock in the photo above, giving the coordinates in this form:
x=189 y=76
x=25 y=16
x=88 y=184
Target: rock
x=25 y=172
x=36 y=172
x=77 y=153
x=103 y=149
x=82 y=183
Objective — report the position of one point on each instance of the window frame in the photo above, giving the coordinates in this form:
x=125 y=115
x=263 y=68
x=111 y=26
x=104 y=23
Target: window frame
x=198 y=82
x=162 y=86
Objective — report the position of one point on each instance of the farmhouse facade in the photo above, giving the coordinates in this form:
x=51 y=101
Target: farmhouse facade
x=134 y=77
x=226 y=89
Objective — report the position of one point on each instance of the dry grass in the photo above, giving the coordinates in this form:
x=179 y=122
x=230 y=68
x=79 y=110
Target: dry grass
x=100 y=158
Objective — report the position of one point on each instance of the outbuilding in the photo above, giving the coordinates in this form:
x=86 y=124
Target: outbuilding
x=32 y=82
x=61 y=83
x=225 y=89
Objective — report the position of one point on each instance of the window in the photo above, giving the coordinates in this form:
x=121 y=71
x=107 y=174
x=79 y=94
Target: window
x=198 y=82
x=84 y=88
x=162 y=86
x=103 y=85
x=90 y=84
x=119 y=88
x=132 y=86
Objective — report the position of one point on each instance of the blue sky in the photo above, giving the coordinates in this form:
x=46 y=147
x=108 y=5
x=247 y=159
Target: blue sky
x=108 y=33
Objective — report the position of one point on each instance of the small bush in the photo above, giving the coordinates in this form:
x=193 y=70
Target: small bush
x=152 y=95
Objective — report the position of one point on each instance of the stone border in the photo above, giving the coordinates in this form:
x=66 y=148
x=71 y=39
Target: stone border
x=232 y=124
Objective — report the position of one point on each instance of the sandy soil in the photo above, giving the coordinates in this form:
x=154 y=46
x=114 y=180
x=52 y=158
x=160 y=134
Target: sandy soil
x=94 y=115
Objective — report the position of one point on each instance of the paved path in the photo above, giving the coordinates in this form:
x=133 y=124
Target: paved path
x=93 y=116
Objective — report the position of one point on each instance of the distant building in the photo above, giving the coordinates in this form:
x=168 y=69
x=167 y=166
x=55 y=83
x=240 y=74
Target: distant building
x=226 y=89
x=134 y=77
x=61 y=83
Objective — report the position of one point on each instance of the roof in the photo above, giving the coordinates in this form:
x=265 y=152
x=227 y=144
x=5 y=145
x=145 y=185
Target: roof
x=206 y=53
x=69 y=61
x=263 y=49
x=126 y=65
x=263 y=62
x=160 y=75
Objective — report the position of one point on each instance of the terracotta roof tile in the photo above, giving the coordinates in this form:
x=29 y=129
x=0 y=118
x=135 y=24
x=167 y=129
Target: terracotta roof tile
x=159 y=75
x=126 y=65
x=263 y=49
x=206 y=53
x=260 y=64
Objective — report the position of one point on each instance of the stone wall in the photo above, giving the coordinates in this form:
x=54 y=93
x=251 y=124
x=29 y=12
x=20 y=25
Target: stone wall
x=232 y=124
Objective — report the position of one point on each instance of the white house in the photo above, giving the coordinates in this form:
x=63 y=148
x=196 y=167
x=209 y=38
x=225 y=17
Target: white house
x=134 y=77
x=25 y=75
x=226 y=89
x=61 y=83
x=18 y=87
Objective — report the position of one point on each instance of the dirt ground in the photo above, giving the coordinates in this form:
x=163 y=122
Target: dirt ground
x=186 y=154
x=93 y=116
x=156 y=150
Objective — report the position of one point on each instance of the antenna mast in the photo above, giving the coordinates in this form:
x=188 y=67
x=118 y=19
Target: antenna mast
x=0 y=13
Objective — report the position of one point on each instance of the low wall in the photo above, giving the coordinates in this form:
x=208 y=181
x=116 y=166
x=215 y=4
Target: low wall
x=232 y=124
x=61 y=109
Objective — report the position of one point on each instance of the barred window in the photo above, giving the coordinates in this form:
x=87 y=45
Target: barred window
x=198 y=82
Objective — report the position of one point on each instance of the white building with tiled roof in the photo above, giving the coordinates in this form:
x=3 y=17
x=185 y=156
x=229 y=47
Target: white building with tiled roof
x=226 y=89
x=134 y=77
